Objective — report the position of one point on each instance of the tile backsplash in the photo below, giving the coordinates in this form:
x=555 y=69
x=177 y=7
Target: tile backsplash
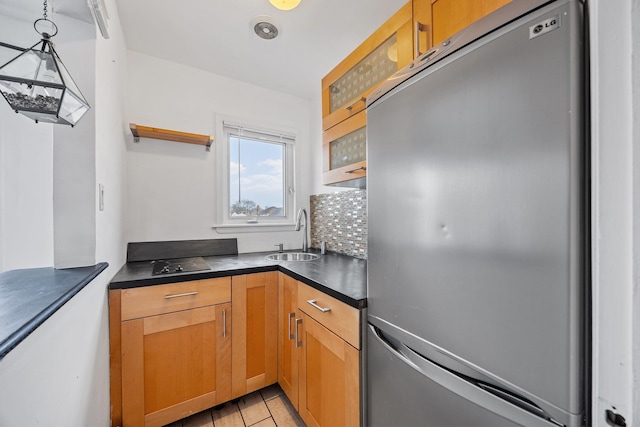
x=340 y=219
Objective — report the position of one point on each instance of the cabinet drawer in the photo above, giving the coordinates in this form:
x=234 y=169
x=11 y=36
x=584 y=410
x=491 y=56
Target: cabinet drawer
x=151 y=300
x=340 y=318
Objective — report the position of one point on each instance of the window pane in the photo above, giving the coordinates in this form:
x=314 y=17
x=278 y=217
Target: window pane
x=256 y=179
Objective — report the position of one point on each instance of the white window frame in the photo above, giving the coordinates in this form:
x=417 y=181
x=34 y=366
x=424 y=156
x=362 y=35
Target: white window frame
x=226 y=128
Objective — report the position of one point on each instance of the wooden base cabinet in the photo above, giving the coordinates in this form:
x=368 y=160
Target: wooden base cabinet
x=329 y=360
x=329 y=378
x=255 y=305
x=173 y=352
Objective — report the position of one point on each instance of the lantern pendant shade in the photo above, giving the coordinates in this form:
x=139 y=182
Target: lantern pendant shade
x=37 y=85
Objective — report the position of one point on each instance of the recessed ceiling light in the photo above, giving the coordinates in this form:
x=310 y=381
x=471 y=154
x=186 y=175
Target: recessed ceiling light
x=285 y=4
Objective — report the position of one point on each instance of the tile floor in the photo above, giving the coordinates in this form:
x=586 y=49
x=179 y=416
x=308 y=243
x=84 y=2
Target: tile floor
x=268 y=407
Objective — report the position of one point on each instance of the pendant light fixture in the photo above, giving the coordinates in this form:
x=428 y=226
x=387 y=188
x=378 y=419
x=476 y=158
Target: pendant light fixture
x=37 y=84
x=285 y=4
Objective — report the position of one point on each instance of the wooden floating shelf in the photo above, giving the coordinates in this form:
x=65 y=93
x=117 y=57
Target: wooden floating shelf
x=169 y=135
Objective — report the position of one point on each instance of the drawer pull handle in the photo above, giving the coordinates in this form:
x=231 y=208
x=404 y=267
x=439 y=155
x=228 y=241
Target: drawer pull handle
x=298 y=323
x=292 y=315
x=420 y=28
x=322 y=309
x=361 y=168
x=353 y=104
x=186 y=294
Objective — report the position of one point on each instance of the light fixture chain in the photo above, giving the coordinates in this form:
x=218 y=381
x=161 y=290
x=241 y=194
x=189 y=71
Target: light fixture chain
x=45 y=9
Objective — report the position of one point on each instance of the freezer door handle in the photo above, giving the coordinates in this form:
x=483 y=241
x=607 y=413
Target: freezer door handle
x=426 y=367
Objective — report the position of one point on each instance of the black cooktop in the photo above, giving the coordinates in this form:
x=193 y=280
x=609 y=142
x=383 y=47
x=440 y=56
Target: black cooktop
x=179 y=265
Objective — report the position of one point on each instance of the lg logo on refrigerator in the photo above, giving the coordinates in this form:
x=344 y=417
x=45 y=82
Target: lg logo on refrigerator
x=544 y=27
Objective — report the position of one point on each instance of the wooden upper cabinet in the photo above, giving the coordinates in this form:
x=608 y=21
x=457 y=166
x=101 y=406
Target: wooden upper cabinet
x=254 y=306
x=346 y=87
x=344 y=97
x=344 y=150
x=447 y=17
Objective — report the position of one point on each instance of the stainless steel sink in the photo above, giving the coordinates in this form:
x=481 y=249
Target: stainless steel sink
x=292 y=256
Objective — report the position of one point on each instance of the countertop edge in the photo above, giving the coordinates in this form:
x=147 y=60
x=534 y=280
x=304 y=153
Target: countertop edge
x=24 y=331
x=130 y=280
x=355 y=303
x=163 y=280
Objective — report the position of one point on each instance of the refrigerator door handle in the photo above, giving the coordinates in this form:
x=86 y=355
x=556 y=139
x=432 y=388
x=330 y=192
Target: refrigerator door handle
x=424 y=365
x=513 y=398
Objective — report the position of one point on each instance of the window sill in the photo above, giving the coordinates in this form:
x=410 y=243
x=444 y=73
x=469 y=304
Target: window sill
x=253 y=228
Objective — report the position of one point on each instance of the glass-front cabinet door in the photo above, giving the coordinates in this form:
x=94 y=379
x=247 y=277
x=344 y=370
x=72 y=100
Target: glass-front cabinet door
x=344 y=152
x=346 y=87
x=344 y=96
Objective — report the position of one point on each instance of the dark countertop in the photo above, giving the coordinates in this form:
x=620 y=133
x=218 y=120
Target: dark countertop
x=30 y=296
x=340 y=276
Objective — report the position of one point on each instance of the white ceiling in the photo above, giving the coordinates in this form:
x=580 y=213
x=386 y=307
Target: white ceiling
x=30 y=10
x=217 y=36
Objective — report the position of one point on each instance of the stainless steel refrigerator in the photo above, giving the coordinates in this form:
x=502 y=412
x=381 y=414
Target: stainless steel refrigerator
x=478 y=262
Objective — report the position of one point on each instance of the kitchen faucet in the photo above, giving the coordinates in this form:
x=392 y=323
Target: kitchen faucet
x=305 y=245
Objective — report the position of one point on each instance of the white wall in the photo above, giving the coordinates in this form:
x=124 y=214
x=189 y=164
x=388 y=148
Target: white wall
x=74 y=155
x=26 y=192
x=26 y=170
x=110 y=149
x=635 y=309
x=59 y=375
x=614 y=207
x=171 y=186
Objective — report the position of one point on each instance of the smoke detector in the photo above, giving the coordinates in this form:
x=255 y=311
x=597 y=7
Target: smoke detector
x=265 y=27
